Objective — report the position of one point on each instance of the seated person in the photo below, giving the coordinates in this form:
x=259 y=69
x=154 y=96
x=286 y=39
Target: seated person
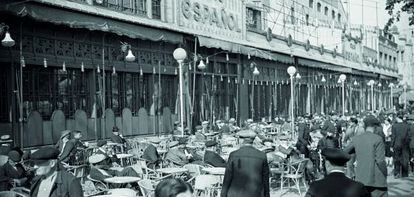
x=232 y=127
x=100 y=170
x=151 y=154
x=116 y=136
x=14 y=171
x=205 y=128
x=105 y=150
x=211 y=157
x=199 y=135
x=176 y=154
x=66 y=147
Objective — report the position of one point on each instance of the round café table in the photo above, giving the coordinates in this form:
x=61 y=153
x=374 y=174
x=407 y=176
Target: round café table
x=119 y=192
x=172 y=171
x=215 y=170
x=122 y=179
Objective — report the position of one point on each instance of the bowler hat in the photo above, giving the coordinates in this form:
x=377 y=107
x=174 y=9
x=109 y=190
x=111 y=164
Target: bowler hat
x=44 y=154
x=336 y=156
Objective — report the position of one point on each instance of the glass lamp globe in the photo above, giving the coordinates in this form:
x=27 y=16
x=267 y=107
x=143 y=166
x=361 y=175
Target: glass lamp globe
x=291 y=70
x=179 y=54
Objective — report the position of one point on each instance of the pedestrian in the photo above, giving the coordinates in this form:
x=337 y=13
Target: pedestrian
x=51 y=180
x=400 y=146
x=247 y=171
x=386 y=128
x=371 y=169
x=349 y=134
x=336 y=183
x=410 y=121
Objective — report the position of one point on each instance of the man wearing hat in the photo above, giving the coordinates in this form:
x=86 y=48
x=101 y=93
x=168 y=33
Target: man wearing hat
x=176 y=153
x=336 y=183
x=14 y=171
x=103 y=149
x=247 y=171
x=151 y=154
x=199 y=135
x=204 y=126
x=116 y=136
x=50 y=180
x=304 y=138
x=211 y=157
x=369 y=149
x=400 y=138
x=65 y=146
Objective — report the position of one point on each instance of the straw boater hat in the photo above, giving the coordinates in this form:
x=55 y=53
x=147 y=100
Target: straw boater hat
x=5 y=137
x=232 y=120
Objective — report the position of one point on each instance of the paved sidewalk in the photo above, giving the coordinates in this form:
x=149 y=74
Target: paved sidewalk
x=403 y=187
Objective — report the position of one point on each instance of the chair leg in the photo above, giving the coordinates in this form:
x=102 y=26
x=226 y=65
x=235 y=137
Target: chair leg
x=297 y=183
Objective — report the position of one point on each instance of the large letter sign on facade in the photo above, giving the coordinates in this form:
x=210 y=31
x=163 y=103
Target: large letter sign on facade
x=212 y=17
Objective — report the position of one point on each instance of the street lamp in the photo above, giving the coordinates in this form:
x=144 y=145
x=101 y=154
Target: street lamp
x=323 y=80
x=371 y=83
x=7 y=40
x=256 y=72
x=201 y=65
x=391 y=86
x=291 y=71
x=342 y=77
x=380 y=95
x=179 y=55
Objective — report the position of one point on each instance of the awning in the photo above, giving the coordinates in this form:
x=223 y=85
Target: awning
x=364 y=73
x=238 y=48
x=83 y=20
x=321 y=65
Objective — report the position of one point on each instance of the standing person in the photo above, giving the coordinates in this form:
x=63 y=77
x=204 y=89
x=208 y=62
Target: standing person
x=50 y=180
x=400 y=146
x=247 y=171
x=304 y=138
x=370 y=156
x=386 y=129
x=349 y=134
x=336 y=183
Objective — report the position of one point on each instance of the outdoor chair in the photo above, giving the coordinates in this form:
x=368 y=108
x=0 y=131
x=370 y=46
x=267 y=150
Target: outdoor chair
x=147 y=187
x=207 y=186
x=194 y=170
x=296 y=174
x=99 y=185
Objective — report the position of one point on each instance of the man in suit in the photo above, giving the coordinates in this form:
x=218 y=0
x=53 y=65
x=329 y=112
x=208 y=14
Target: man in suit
x=336 y=183
x=151 y=154
x=50 y=179
x=177 y=154
x=247 y=171
x=65 y=146
x=14 y=171
x=304 y=138
x=369 y=150
x=211 y=157
x=400 y=138
x=116 y=136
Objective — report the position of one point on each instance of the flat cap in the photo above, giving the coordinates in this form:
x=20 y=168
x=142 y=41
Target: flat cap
x=15 y=156
x=370 y=120
x=210 y=143
x=198 y=127
x=336 y=156
x=44 y=154
x=246 y=134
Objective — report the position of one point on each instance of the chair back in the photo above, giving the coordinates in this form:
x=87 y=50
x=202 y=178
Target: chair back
x=147 y=187
x=193 y=169
x=205 y=181
x=298 y=168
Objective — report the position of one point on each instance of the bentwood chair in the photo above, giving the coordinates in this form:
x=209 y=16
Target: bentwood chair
x=296 y=174
x=207 y=186
x=147 y=187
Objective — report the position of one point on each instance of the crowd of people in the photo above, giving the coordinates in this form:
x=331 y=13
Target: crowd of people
x=344 y=156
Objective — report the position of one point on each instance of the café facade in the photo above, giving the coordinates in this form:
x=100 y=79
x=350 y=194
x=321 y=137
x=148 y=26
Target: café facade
x=68 y=69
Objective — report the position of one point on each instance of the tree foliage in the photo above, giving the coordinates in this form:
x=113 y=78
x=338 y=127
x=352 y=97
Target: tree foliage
x=407 y=6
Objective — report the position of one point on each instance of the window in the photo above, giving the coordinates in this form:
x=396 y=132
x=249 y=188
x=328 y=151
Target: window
x=333 y=14
x=307 y=19
x=326 y=11
x=51 y=89
x=253 y=18
x=311 y=3
x=339 y=17
x=141 y=7
x=319 y=6
x=156 y=9
x=380 y=58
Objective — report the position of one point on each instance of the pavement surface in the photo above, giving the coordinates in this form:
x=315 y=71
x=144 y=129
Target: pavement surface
x=402 y=187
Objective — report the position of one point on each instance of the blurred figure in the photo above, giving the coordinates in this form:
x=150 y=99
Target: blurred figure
x=173 y=188
x=65 y=146
x=400 y=146
x=336 y=183
x=150 y=154
x=116 y=136
x=350 y=132
x=386 y=128
x=211 y=157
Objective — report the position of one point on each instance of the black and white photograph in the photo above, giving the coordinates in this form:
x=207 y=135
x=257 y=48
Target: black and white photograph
x=207 y=98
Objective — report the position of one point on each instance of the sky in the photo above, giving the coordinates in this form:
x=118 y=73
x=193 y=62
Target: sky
x=373 y=9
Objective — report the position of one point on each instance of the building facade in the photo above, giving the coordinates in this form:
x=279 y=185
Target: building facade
x=68 y=69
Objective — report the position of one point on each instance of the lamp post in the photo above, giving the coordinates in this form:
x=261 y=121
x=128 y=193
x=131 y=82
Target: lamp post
x=371 y=83
x=405 y=95
x=380 y=95
x=291 y=71
x=391 y=86
x=342 y=77
x=179 y=55
x=255 y=73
